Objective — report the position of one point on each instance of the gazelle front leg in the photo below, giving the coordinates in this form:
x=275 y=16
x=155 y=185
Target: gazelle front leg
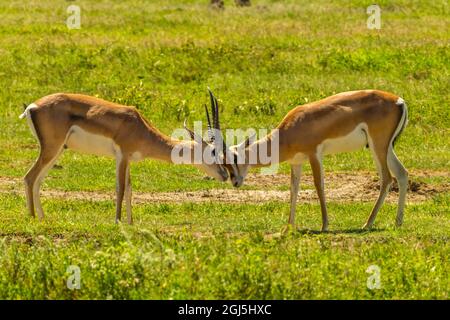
x=128 y=195
x=121 y=173
x=295 y=182
x=317 y=170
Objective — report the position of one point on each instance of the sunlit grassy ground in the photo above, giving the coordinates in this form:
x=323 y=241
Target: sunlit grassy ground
x=222 y=251
x=260 y=61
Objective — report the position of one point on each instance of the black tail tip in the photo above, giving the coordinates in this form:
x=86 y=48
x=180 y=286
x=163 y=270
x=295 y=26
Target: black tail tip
x=24 y=106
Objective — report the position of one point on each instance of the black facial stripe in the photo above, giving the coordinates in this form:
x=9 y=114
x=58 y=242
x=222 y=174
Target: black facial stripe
x=236 y=165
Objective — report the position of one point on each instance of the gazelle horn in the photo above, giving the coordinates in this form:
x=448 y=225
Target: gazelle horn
x=211 y=136
x=216 y=122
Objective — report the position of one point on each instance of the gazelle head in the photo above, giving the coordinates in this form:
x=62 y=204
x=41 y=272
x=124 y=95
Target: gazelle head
x=213 y=149
x=232 y=159
x=237 y=162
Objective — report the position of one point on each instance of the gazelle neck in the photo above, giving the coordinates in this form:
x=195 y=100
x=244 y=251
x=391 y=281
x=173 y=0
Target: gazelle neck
x=157 y=145
x=263 y=152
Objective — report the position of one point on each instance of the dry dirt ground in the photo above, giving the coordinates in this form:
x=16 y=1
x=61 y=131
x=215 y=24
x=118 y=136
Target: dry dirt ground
x=340 y=187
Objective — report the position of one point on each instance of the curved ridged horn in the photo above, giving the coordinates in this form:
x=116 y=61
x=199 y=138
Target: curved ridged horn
x=216 y=121
x=210 y=131
x=215 y=110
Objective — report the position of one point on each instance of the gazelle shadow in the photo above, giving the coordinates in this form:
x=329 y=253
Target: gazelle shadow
x=304 y=231
x=341 y=231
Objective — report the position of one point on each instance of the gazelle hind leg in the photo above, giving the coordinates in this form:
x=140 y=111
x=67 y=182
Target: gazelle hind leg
x=400 y=173
x=295 y=182
x=29 y=180
x=380 y=157
x=317 y=169
x=34 y=177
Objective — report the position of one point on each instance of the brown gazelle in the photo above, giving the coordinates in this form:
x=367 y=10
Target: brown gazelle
x=99 y=127
x=343 y=122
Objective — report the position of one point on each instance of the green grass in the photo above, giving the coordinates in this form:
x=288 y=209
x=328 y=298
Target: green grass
x=260 y=61
x=210 y=251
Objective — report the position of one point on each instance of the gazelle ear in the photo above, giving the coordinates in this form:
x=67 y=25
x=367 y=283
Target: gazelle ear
x=192 y=134
x=247 y=142
x=250 y=140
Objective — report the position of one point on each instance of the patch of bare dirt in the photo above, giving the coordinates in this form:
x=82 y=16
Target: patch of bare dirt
x=258 y=180
x=340 y=187
x=415 y=187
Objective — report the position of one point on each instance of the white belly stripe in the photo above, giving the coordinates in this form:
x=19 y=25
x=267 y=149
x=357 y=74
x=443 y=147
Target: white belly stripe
x=83 y=141
x=354 y=140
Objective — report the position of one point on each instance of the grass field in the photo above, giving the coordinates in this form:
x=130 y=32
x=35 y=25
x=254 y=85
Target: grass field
x=260 y=61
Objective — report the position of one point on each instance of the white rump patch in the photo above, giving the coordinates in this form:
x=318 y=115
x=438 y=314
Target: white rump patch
x=403 y=120
x=27 y=110
x=400 y=101
x=27 y=114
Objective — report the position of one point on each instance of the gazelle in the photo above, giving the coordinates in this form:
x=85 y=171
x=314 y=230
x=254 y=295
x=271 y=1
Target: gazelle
x=95 y=126
x=343 y=122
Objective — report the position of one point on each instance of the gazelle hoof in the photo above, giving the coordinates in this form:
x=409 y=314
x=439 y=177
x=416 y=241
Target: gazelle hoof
x=366 y=226
x=287 y=229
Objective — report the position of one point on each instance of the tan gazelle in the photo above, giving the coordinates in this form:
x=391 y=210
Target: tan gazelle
x=343 y=122
x=95 y=126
